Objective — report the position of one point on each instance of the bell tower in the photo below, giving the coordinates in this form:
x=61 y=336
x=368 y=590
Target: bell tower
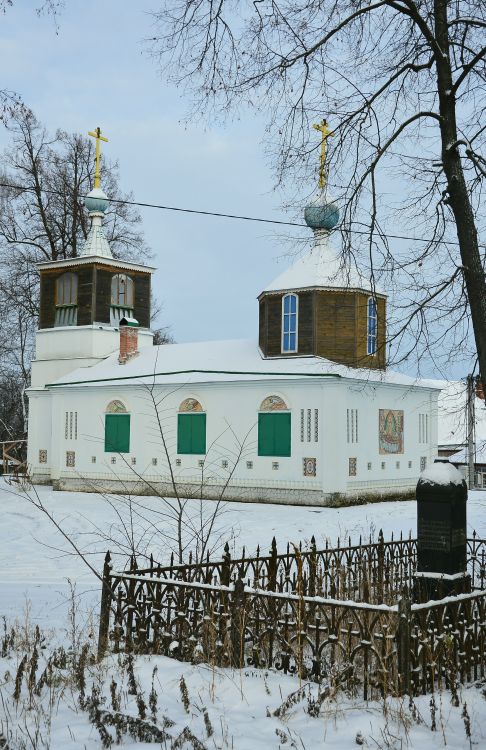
x=83 y=299
x=319 y=307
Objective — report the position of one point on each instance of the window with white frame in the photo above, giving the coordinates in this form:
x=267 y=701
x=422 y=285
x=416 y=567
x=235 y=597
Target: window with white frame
x=352 y=425
x=290 y=314
x=423 y=428
x=122 y=298
x=372 y=326
x=122 y=290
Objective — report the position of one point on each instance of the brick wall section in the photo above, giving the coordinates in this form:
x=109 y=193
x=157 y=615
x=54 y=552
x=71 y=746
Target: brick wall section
x=128 y=343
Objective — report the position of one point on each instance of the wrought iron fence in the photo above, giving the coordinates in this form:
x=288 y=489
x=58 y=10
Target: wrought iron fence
x=370 y=571
x=339 y=614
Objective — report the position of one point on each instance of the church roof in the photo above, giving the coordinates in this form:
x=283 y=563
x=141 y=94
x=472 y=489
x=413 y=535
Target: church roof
x=220 y=361
x=321 y=268
x=83 y=260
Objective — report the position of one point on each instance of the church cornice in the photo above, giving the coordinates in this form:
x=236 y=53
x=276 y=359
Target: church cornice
x=298 y=290
x=98 y=260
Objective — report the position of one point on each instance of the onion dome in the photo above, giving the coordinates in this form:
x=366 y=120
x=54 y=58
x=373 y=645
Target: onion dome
x=321 y=212
x=96 y=243
x=96 y=201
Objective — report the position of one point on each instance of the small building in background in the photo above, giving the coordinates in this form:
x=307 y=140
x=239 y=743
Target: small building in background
x=453 y=426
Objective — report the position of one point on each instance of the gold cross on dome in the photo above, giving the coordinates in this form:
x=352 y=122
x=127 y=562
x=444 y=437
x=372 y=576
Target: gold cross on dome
x=97 y=135
x=326 y=133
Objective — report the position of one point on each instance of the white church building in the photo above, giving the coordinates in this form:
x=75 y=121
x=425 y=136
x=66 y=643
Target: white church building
x=304 y=412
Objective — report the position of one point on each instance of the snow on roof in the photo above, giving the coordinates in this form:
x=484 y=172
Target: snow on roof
x=462 y=456
x=453 y=415
x=221 y=361
x=83 y=260
x=321 y=267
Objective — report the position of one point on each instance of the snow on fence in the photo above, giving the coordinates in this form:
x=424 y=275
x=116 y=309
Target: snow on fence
x=342 y=615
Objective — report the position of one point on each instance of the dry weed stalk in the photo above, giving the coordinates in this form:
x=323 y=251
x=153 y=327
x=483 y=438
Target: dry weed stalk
x=184 y=694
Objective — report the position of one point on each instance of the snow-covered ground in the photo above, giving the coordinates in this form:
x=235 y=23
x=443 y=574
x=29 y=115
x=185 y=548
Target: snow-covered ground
x=36 y=565
x=36 y=562
x=247 y=710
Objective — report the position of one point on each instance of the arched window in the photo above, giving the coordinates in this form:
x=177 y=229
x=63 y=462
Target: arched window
x=273 y=403
x=274 y=428
x=191 y=428
x=122 y=291
x=372 y=326
x=67 y=289
x=190 y=405
x=116 y=407
x=66 y=299
x=117 y=428
x=290 y=315
x=122 y=298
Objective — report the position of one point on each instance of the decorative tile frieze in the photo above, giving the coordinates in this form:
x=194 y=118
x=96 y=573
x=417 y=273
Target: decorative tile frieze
x=310 y=467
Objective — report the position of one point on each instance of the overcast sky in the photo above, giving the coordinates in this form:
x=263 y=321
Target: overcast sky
x=96 y=71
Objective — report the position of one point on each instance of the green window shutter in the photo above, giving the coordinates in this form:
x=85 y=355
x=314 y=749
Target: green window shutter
x=282 y=434
x=274 y=434
x=117 y=433
x=198 y=433
x=184 y=433
x=191 y=433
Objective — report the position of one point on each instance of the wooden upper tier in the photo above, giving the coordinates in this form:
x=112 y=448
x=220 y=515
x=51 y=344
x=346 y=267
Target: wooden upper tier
x=93 y=301
x=331 y=324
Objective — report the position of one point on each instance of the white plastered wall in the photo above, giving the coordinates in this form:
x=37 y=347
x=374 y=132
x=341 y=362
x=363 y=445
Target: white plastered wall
x=368 y=399
x=232 y=415
x=59 y=351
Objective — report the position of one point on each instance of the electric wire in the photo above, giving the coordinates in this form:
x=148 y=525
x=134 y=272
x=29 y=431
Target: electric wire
x=240 y=217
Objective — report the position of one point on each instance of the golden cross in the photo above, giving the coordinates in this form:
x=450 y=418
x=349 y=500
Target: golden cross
x=97 y=135
x=326 y=132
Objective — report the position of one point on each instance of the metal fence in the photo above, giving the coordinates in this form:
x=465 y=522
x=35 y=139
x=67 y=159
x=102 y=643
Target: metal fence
x=342 y=614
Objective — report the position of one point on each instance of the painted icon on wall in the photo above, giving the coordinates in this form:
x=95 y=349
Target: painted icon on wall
x=391 y=431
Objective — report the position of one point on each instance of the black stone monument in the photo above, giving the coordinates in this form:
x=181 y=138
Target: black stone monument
x=441 y=532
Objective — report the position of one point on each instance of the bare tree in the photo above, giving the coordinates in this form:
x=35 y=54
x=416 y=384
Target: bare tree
x=10 y=101
x=188 y=528
x=43 y=181
x=151 y=515
x=402 y=83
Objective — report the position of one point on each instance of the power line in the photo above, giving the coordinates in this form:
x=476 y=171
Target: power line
x=233 y=216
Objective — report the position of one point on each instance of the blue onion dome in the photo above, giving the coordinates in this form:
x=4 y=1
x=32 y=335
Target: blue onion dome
x=322 y=212
x=96 y=201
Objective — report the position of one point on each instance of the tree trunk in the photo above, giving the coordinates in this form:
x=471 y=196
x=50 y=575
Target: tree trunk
x=458 y=196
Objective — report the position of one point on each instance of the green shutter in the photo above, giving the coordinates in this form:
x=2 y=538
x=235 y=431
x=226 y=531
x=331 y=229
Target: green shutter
x=117 y=433
x=282 y=434
x=184 y=433
x=198 y=433
x=274 y=434
x=191 y=433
